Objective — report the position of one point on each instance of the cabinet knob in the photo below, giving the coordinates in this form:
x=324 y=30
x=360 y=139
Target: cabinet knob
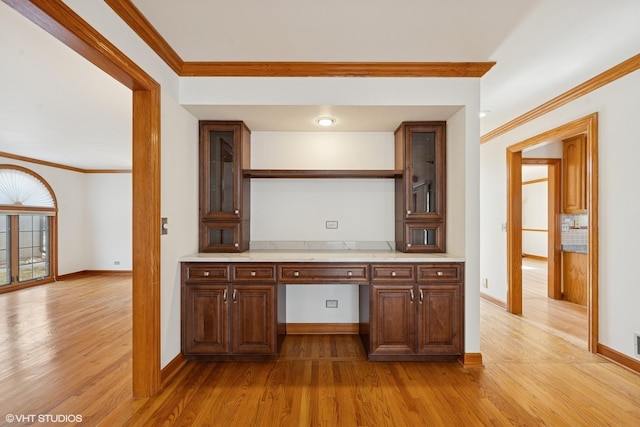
x=296 y=273
x=439 y=273
x=349 y=274
x=237 y=212
x=236 y=245
x=408 y=212
x=408 y=245
x=205 y=274
x=253 y=274
x=393 y=274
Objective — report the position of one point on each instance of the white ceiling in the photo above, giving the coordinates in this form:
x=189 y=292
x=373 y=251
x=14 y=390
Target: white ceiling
x=542 y=48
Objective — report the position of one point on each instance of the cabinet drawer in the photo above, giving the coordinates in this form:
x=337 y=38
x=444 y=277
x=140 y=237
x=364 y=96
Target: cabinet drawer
x=393 y=273
x=207 y=272
x=323 y=273
x=263 y=273
x=440 y=273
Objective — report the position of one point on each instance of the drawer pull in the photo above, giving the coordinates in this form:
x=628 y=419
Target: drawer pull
x=349 y=274
x=296 y=273
x=205 y=274
x=393 y=274
x=253 y=274
x=439 y=273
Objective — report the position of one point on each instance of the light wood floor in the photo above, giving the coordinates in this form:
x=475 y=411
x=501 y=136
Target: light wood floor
x=563 y=318
x=66 y=350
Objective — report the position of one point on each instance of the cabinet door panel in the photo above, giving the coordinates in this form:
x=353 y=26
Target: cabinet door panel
x=393 y=317
x=574 y=175
x=206 y=317
x=254 y=319
x=439 y=324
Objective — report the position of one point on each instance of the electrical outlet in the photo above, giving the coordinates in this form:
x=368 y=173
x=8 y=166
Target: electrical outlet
x=116 y=262
x=637 y=342
x=485 y=282
x=331 y=225
x=332 y=303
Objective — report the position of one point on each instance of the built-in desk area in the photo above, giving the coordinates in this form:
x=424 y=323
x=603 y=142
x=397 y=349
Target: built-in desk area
x=410 y=304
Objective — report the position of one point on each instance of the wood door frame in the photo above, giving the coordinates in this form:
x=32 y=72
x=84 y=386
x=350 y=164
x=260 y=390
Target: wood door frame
x=65 y=25
x=589 y=126
x=554 y=249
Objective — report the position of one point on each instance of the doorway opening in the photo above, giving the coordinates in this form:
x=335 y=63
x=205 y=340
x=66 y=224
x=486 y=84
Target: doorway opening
x=589 y=127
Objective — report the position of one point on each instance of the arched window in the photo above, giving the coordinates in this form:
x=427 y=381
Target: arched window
x=27 y=228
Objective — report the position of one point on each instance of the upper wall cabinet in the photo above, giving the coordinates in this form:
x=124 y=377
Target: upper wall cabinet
x=420 y=193
x=224 y=191
x=574 y=175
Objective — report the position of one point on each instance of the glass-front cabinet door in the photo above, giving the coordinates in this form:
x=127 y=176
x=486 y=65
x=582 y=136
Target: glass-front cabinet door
x=221 y=172
x=424 y=171
x=420 y=193
x=224 y=191
x=424 y=237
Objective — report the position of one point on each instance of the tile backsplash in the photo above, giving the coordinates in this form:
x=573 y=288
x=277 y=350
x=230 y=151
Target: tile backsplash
x=574 y=230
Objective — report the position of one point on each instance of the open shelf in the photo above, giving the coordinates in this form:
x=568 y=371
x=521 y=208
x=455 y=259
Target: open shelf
x=320 y=173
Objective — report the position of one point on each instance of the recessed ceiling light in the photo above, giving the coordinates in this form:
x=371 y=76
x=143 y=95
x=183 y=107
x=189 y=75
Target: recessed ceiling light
x=325 y=121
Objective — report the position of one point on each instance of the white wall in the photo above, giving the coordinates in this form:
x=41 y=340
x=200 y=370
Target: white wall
x=618 y=107
x=108 y=204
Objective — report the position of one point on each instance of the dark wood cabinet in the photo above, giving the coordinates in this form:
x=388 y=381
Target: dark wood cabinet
x=224 y=320
x=407 y=311
x=224 y=190
x=416 y=319
x=420 y=194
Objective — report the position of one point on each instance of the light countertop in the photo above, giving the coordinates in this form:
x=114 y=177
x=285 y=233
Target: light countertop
x=321 y=256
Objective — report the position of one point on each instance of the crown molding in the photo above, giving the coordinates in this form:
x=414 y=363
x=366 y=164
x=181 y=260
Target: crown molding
x=132 y=16
x=626 y=67
x=60 y=166
x=335 y=69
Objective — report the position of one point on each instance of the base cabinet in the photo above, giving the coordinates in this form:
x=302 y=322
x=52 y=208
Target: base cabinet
x=225 y=321
x=407 y=311
x=416 y=320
